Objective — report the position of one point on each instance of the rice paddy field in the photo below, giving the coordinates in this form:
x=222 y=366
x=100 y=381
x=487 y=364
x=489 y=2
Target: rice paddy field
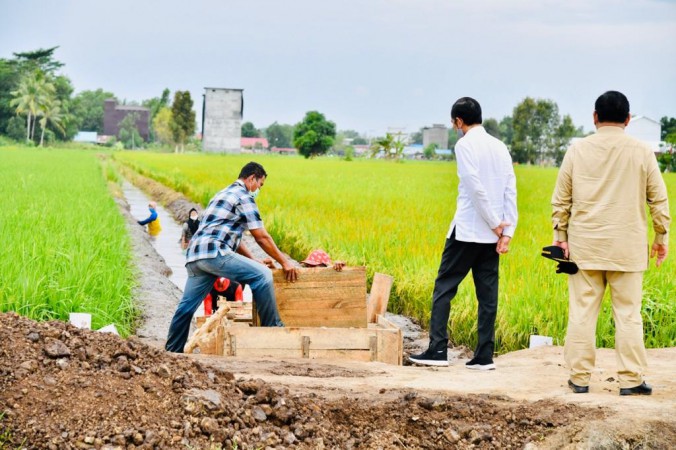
x=393 y=218
x=64 y=243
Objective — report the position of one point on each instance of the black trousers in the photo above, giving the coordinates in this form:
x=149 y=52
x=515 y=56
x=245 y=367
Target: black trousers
x=456 y=262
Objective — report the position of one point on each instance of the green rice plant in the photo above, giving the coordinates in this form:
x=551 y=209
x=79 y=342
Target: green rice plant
x=65 y=244
x=393 y=218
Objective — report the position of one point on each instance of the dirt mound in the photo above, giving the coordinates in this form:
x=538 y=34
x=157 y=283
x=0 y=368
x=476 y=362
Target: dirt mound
x=62 y=387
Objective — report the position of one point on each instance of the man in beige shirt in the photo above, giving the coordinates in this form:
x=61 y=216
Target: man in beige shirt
x=600 y=222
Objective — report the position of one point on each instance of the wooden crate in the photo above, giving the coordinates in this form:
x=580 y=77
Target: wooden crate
x=381 y=341
x=322 y=297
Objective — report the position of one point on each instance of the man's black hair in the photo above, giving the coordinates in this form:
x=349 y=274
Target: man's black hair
x=612 y=106
x=253 y=168
x=467 y=109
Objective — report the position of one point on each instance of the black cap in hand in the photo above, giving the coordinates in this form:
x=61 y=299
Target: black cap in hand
x=555 y=253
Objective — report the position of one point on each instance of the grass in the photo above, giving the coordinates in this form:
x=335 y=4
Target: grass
x=65 y=245
x=393 y=218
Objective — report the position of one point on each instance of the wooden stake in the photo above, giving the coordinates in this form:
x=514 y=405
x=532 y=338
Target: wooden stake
x=373 y=347
x=379 y=297
x=306 y=346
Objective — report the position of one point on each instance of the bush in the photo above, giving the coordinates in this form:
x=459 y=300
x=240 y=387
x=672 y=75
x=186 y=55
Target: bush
x=16 y=129
x=7 y=142
x=667 y=162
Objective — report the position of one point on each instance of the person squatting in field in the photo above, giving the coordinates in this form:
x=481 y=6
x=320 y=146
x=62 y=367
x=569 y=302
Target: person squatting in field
x=153 y=220
x=216 y=250
x=481 y=231
x=599 y=220
x=189 y=228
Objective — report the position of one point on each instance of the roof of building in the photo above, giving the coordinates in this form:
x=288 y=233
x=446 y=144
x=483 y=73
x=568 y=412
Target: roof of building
x=634 y=119
x=251 y=142
x=224 y=89
x=132 y=108
x=126 y=107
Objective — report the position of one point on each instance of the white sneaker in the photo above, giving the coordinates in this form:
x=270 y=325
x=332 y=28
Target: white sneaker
x=474 y=364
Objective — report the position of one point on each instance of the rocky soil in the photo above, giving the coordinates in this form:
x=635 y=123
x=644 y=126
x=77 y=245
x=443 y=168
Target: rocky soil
x=66 y=388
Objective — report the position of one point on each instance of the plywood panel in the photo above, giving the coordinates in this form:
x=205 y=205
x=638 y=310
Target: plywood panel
x=379 y=296
x=374 y=343
x=322 y=297
x=320 y=338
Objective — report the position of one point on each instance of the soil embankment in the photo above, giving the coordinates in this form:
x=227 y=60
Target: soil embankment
x=62 y=387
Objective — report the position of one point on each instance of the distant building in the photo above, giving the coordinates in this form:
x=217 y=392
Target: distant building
x=417 y=151
x=360 y=150
x=437 y=134
x=444 y=152
x=113 y=114
x=254 y=143
x=647 y=130
x=413 y=151
x=284 y=151
x=222 y=111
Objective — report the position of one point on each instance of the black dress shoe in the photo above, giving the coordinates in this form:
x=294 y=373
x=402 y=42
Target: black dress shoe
x=578 y=389
x=641 y=389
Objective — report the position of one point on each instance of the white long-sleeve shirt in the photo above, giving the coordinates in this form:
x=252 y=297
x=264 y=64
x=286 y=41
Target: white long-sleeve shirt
x=487 y=188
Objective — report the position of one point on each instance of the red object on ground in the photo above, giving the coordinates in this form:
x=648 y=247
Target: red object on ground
x=207 y=305
x=317 y=258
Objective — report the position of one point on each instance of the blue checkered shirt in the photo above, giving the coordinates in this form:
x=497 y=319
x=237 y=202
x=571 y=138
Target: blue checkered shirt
x=228 y=214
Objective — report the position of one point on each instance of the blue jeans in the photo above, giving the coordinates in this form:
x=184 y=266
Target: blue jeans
x=201 y=276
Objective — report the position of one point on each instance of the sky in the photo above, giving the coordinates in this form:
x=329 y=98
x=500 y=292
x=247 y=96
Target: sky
x=365 y=64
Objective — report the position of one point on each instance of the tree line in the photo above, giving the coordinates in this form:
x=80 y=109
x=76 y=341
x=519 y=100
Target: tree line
x=37 y=105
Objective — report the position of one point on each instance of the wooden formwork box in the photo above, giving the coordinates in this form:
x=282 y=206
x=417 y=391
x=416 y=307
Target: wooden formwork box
x=320 y=296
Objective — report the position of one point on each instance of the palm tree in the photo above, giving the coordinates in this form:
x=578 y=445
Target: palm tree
x=25 y=101
x=32 y=93
x=391 y=146
x=50 y=112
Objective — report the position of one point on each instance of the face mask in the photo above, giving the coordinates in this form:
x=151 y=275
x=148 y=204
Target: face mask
x=193 y=217
x=460 y=133
x=254 y=194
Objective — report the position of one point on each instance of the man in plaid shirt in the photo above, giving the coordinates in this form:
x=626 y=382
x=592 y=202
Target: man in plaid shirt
x=216 y=251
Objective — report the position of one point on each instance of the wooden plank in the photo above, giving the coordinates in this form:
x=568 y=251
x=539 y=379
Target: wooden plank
x=390 y=343
x=379 y=297
x=220 y=340
x=321 y=338
x=382 y=322
x=255 y=320
x=306 y=346
x=381 y=341
x=350 y=355
x=233 y=345
x=373 y=347
x=322 y=297
x=239 y=312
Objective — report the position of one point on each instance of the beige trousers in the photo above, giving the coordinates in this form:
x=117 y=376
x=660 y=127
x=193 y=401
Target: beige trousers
x=586 y=289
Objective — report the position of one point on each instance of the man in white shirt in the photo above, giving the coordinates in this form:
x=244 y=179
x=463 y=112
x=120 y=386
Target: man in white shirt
x=483 y=226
